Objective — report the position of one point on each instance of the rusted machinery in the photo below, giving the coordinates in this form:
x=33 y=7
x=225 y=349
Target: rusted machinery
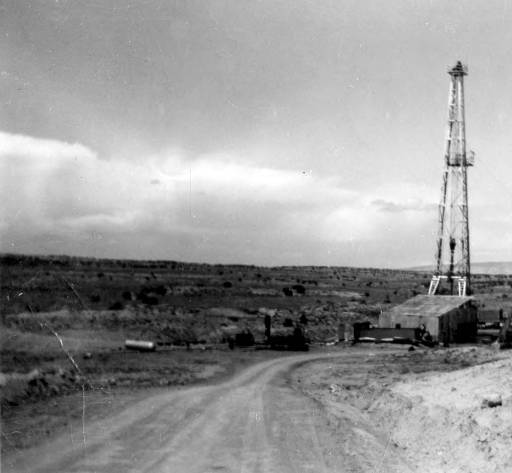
x=288 y=338
x=285 y=338
x=505 y=337
x=245 y=338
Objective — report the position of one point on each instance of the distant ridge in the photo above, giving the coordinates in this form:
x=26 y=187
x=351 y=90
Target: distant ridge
x=491 y=267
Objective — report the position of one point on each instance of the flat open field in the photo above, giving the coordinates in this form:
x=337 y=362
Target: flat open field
x=64 y=322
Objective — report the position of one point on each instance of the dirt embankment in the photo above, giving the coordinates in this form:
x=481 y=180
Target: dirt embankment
x=456 y=422
x=435 y=421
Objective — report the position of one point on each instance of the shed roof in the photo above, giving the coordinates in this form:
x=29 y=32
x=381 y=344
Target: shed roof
x=429 y=306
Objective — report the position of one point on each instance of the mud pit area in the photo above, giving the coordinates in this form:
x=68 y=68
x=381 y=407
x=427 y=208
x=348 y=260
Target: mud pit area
x=428 y=420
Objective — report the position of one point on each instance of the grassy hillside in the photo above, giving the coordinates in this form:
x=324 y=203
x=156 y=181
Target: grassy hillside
x=53 y=283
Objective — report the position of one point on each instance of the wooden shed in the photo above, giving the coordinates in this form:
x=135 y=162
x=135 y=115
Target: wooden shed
x=447 y=318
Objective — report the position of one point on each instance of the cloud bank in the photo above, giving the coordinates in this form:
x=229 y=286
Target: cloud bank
x=63 y=198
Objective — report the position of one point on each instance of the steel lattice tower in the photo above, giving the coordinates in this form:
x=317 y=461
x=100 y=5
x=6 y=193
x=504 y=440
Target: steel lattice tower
x=452 y=252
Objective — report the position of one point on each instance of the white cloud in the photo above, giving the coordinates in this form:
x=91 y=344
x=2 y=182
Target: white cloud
x=212 y=207
x=43 y=150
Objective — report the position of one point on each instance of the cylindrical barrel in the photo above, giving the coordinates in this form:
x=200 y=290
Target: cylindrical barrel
x=139 y=345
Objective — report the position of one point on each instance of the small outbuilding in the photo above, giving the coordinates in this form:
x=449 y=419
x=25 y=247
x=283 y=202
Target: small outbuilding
x=448 y=319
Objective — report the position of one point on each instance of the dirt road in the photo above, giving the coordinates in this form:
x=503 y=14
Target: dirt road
x=253 y=423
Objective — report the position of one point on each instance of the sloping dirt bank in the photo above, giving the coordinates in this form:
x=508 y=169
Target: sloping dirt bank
x=452 y=422
x=437 y=422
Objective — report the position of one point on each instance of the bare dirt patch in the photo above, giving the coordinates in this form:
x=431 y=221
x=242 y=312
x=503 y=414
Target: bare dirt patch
x=426 y=405
x=457 y=422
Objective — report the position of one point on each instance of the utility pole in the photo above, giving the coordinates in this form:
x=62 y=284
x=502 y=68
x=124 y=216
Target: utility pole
x=452 y=251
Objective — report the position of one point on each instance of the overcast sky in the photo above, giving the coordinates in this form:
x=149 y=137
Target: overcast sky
x=262 y=132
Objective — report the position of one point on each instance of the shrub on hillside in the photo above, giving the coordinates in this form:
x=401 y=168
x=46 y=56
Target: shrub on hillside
x=299 y=289
x=149 y=300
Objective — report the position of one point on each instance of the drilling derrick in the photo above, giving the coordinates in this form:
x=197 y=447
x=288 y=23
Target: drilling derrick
x=452 y=251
